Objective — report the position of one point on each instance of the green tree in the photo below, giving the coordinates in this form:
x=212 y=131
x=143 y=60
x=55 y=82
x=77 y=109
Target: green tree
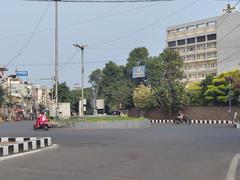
x=115 y=88
x=217 y=92
x=2 y=94
x=170 y=94
x=193 y=92
x=137 y=56
x=75 y=96
x=222 y=88
x=96 y=79
x=63 y=92
x=204 y=86
x=143 y=97
x=154 y=71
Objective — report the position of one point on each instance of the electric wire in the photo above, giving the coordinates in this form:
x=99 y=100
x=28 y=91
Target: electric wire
x=30 y=38
x=145 y=27
x=81 y=22
x=104 y=1
x=139 y=30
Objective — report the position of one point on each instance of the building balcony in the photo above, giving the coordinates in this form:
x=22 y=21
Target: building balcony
x=190 y=32
x=190 y=70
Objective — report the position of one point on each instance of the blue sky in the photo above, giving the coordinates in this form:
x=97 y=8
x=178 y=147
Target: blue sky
x=111 y=31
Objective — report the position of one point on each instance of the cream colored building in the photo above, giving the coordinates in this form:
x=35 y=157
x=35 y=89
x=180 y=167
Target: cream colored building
x=208 y=46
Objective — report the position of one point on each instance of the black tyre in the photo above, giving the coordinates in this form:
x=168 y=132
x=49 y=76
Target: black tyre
x=46 y=128
x=176 y=121
x=188 y=121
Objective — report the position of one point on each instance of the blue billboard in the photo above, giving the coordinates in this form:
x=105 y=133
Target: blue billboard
x=21 y=73
x=138 y=72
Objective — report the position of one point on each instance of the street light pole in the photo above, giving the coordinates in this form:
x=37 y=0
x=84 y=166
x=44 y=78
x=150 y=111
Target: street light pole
x=82 y=47
x=56 y=59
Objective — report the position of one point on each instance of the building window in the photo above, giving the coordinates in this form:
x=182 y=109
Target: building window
x=212 y=45
x=181 y=42
x=183 y=58
x=201 y=56
x=211 y=65
x=190 y=27
x=181 y=50
x=186 y=68
x=190 y=57
x=181 y=29
x=213 y=23
x=171 y=43
x=201 y=47
x=191 y=40
x=201 y=25
x=192 y=76
x=200 y=75
x=211 y=55
x=214 y=74
x=192 y=67
x=201 y=38
x=190 y=48
x=211 y=37
x=173 y=48
x=171 y=31
x=202 y=66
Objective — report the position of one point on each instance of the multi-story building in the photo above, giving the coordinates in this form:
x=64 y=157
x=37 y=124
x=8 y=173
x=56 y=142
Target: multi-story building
x=40 y=95
x=208 y=46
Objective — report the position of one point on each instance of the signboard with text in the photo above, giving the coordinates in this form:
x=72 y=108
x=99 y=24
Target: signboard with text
x=21 y=73
x=138 y=72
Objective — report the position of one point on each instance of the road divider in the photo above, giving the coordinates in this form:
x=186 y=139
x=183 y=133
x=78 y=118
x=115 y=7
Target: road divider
x=194 y=121
x=15 y=145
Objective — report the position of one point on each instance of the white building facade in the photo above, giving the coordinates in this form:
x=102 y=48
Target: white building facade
x=208 y=46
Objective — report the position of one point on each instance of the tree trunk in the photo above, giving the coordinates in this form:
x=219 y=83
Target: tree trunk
x=142 y=113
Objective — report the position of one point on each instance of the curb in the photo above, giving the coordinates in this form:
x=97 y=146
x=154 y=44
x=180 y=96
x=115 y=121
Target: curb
x=195 y=121
x=15 y=145
x=233 y=173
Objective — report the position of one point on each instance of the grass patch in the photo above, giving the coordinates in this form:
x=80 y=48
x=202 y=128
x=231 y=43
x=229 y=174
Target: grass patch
x=97 y=119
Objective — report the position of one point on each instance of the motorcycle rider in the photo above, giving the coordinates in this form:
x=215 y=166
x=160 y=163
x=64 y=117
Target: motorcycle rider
x=42 y=119
x=180 y=116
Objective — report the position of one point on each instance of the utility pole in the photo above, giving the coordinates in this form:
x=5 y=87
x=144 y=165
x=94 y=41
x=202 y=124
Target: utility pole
x=56 y=59
x=82 y=47
x=229 y=9
x=230 y=96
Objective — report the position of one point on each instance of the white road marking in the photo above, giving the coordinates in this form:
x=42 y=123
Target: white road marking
x=54 y=146
x=232 y=171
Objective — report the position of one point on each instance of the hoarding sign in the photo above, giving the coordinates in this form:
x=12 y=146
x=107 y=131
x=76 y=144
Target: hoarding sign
x=21 y=73
x=138 y=72
x=100 y=104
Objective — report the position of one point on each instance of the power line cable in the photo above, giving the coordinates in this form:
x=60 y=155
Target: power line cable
x=145 y=27
x=141 y=29
x=81 y=22
x=225 y=15
x=30 y=38
x=104 y=1
x=227 y=59
x=230 y=32
x=70 y=63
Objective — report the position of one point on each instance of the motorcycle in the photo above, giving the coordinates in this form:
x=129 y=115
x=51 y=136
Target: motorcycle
x=41 y=124
x=185 y=119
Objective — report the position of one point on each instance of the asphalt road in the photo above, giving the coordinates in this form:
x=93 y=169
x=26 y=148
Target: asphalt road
x=162 y=151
